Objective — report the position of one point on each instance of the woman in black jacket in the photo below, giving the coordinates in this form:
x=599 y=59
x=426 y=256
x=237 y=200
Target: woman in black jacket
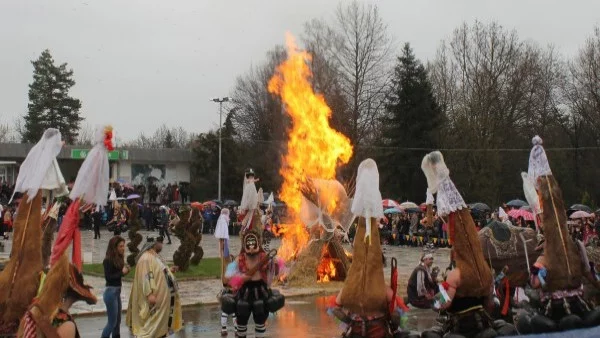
x=114 y=269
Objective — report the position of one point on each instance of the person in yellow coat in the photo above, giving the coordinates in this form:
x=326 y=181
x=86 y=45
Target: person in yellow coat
x=154 y=305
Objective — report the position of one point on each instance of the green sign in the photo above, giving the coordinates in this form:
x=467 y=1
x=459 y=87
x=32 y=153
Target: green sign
x=80 y=154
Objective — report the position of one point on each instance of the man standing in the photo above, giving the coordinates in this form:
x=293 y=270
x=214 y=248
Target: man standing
x=421 y=286
x=154 y=305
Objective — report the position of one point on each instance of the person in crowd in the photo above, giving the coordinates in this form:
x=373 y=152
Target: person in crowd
x=164 y=223
x=114 y=269
x=97 y=221
x=148 y=219
x=7 y=221
x=421 y=287
x=154 y=305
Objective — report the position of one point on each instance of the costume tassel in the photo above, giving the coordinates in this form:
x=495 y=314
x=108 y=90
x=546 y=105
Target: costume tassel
x=506 y=297
x=69 y=230
x=394 y=283
x=451 y=224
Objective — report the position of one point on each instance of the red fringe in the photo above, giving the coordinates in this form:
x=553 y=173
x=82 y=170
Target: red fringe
x=401 y=305
x=506 y=297
x=108 y=140
x=394 y=288
x=69 y=231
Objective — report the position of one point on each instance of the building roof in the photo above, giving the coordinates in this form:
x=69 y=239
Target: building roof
x=18 y=151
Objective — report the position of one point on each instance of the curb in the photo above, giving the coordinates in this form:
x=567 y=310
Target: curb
x=210 y=303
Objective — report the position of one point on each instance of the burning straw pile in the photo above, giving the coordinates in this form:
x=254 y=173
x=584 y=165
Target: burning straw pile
x=326 y=210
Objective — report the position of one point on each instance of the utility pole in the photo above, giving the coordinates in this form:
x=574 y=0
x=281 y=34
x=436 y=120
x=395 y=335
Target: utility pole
x=220 y=102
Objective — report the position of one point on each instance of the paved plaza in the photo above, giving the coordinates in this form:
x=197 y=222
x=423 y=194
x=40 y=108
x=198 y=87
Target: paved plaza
x=203 y=292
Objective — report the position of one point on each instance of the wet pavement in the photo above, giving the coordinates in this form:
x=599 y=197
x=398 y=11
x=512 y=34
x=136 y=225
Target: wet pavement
x=304 y=317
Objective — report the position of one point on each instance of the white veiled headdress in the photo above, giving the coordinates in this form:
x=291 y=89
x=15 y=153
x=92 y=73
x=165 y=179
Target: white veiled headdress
x=92 y=179
x=438 y=181
x=39 y=170
x=249 y=196
x=367 y=201
x=538 y=162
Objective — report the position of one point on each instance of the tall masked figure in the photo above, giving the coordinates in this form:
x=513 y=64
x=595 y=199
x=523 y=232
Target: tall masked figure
x=365 y=304
x=20 y=279
x=559 y=271
x=249 y=277
x=468 y=287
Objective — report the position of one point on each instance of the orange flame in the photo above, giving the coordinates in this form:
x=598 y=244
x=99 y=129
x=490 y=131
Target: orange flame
x=314 y=149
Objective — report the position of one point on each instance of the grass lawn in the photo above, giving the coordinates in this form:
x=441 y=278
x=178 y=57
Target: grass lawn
x=208 y=268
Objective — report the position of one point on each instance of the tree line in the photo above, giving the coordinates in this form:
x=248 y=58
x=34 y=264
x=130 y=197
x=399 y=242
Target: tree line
x=480 y=99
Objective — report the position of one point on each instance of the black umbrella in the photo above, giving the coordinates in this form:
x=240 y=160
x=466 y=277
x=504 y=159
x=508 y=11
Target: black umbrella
x=230 y=203
x=580 y=207
x=516 y=203
x=479 y=207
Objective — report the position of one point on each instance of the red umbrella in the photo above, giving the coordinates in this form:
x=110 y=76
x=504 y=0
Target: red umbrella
x=390 y=204
x=197 y=205
x=516 y=213
x=209 y=204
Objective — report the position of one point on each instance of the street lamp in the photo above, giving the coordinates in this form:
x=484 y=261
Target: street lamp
x=220 y=101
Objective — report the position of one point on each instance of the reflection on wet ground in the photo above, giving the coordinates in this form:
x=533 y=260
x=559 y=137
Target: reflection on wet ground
x=301 y=318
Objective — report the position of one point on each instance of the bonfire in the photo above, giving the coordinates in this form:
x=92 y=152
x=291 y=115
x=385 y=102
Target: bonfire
x=318 y=206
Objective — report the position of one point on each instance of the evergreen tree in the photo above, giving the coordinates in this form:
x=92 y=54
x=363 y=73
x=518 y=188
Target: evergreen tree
x=169 y=142
x=413 y=120
x=50 y=105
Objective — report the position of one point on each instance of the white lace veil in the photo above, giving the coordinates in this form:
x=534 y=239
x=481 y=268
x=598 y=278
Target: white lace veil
x=92 y=179
x=367 y=201
x=538 y=162
x=435 y=170
x=38 y=162
x=438 y=180
x=530 y=193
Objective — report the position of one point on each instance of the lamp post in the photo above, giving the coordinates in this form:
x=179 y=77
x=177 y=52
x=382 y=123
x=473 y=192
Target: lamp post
x=220 y=101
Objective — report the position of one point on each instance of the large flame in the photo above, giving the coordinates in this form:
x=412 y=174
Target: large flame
x=314 y=149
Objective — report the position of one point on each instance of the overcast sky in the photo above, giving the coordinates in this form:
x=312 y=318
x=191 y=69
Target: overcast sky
x=141 y=63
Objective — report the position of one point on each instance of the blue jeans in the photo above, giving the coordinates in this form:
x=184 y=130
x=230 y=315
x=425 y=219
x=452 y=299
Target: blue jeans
x=112 y=299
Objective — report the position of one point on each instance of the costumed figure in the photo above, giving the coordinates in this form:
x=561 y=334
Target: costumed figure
x=49 y=316
x=366 y=306
x=249 y=277
x=154 y=304
x=510 y=251
x=20 y=279
x=468 y=287
x=559 y=272
x=249 y=213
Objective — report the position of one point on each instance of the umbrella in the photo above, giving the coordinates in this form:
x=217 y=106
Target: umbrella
x=392 y=211
x=133 y=196
x=196 y=205
x=597 y=211
x=516 y=203
x=176 y=203
x=127 y=186
x=526 y=207
x=423 y=206
x=121 y=199
x=210 y=204
x=390 y=204
x=581 y=207
x=409 y=205
x=479 y=207
x=516 y=213
x=230 y=203
x=580 y=214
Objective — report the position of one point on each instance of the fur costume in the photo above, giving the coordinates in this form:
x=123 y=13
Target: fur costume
x=476 y=276
x=364 y=291
x=20 y=278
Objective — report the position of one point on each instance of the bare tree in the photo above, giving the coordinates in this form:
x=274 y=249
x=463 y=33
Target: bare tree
x=178 y=138
x=495 y=90
x=583 y=86
x=85 y=136
x=358 y=49
x=8 y=134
